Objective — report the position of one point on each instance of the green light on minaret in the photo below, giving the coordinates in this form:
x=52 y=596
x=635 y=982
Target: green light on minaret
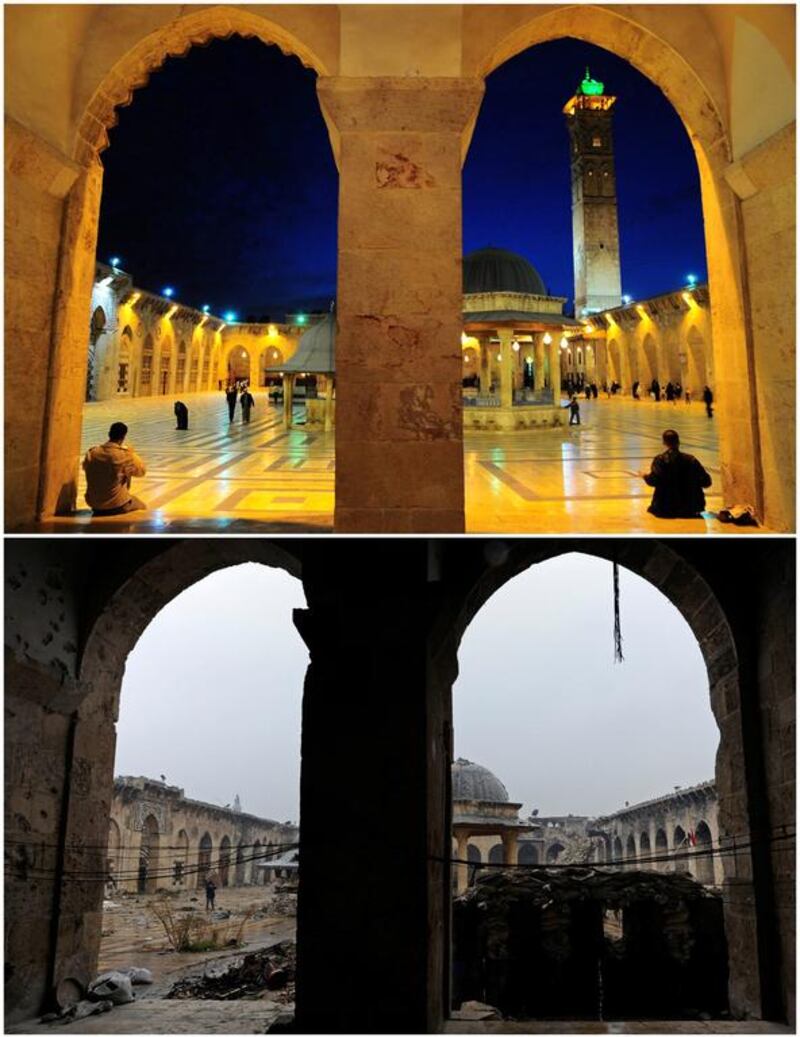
x=590 y=86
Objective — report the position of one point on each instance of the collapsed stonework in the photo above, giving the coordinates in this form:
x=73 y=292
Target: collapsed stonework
x=581 y=943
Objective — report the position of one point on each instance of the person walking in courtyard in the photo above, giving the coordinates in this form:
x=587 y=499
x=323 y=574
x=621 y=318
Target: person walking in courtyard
x=635 y=390
x=574 y=410
x=181 y=416
x=211 y=892
x=678 y=481
x=231 y=396
x=708 y=400
x=109 y=470
x=247 y=403
x=688 y=395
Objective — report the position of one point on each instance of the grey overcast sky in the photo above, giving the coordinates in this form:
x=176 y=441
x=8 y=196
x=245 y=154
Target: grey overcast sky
x=211 y=695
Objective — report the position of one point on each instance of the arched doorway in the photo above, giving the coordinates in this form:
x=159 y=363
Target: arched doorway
x=258 y=857
x=204 y=851
x=631 y=860
x=238 y=364
x=146 y=370
x=496 y=854
x=528 y=853
x=703 y=861
x=124 y=361
x=644 y=849
x=113 y=855
x=96 y=330
x=662 y=850
x=505 y=562
x=554 y=852
x=149 y=877
x=224 y=860
x=240 y=864
x=165 y=362
x=680 y=849
x=180 y=863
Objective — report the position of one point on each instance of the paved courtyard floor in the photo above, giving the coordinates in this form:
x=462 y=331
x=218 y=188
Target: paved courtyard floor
x=259 y=478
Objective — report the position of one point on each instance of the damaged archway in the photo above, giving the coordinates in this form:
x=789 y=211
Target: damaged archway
x=744 y=835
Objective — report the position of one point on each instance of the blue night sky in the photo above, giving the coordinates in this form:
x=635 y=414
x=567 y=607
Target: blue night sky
x=220 y=179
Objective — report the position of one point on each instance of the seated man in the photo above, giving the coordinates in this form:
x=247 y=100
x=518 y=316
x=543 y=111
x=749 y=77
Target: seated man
x=678 y=480
x=109 y=469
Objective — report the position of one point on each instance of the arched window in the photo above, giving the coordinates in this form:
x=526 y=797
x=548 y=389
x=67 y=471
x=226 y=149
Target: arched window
x=146 y=377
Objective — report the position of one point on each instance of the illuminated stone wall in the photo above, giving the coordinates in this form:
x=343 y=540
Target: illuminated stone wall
x=142 y=344
x=667 y=338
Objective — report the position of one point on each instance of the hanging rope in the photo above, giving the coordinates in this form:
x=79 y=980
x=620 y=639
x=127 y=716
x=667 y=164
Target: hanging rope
x=618 y=658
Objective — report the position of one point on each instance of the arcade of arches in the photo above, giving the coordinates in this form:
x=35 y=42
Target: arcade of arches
x=382 y=728
x=400 y=116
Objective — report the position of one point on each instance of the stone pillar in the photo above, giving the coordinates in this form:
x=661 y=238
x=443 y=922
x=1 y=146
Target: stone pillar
x=485 y=367
x=375 y=680
x=288 y=399
x=399 y=454
x=506 y=367
x=462 y=870
x=329 y=380
x=52 y=206
x=510 y=847
x=538 y=363
x=555 y=369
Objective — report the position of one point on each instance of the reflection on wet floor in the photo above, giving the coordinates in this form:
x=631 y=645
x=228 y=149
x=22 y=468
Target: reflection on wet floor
x=260 y=478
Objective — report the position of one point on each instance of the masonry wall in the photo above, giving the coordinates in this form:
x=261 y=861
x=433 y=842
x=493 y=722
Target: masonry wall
x=182 y=825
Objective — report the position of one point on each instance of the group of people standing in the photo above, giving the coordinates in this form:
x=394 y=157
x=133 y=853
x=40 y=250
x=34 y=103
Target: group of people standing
x=672 y=392
x=239 y=392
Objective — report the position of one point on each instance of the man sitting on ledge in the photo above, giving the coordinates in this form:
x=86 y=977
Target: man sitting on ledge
x=678 y=480
x=109 y=469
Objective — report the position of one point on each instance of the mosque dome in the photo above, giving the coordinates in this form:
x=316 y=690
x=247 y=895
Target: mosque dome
x=473 y=782
x=496 y=270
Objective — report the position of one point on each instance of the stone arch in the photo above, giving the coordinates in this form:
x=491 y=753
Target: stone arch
x=145 y=387
x=113 y=853
x=647 y=44
x=164 y=366
x=148 y=878
x=651 y=359
x=496 y=854
x=553 y=852
x=703 y=863
x=680 y=847
x=124 y=361
x=258 y=855
x=615 y=363
x=696 y=362
x=205 y=369
x=527 y=853
x=224 y=860
x=237 y=362
x=631 y=856
x=662 y=849
x=616 y=850
x=645 y=851
x=180 y=366
x=204 y=850
x=497 y=562
x=241 y=857
x=97 y=328
x=194 y=366
x=180 y=862
x=133 y=70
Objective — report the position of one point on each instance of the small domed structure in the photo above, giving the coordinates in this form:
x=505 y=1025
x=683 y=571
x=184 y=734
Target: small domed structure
x=471 y=782
x=497 y=270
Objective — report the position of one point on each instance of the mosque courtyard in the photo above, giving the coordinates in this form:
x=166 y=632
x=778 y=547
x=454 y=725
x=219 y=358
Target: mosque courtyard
x=221 y=477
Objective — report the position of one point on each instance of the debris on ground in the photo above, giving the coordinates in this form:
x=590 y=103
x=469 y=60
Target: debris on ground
x=115 y=987
x=246 y=976
x=137 y=975
x=475 y=1011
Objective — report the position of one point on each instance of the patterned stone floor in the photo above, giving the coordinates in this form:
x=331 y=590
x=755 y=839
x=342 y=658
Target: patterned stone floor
x=258 y=478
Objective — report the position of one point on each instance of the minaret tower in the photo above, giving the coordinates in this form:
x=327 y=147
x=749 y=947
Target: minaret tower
x=595 y=234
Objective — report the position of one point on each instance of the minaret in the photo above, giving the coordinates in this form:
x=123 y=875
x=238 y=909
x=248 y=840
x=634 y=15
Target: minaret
x=595 y=234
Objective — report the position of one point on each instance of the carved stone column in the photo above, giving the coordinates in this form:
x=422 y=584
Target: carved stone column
x=399 y=463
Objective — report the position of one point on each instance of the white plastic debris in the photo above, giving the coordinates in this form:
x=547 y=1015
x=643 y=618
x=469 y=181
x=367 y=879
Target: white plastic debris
x=114 y=986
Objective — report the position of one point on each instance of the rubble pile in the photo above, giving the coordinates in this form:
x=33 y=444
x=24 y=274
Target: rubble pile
x=247 y=977
x=579 y=942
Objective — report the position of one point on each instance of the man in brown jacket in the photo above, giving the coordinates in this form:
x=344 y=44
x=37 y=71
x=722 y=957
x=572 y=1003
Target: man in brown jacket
x=109 y=469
